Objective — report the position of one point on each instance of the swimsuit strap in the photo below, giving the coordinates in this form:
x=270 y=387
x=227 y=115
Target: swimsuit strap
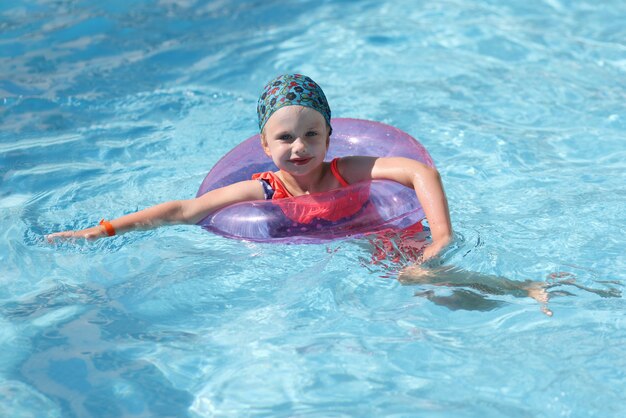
x=272 y=180
x=335 y=171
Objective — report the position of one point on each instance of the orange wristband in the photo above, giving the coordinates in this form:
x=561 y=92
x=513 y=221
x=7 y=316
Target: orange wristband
x=108 y=227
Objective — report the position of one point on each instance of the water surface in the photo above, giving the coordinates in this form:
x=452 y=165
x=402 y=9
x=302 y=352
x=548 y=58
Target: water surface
x=109 y=108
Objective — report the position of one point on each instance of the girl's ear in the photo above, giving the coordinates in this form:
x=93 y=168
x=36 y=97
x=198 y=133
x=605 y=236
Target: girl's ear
x=329 y=131
x=266 y=149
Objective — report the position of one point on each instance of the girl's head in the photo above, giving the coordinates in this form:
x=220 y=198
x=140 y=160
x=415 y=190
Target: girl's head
x=291 y=90
x=294 y=119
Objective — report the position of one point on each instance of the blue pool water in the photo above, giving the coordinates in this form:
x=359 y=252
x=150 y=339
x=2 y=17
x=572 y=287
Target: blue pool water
x=108 y=107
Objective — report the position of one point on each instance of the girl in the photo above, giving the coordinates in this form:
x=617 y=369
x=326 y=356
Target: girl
x=294 y=121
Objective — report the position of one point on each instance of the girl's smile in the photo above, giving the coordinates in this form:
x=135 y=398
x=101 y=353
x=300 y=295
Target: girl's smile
x=300 y=161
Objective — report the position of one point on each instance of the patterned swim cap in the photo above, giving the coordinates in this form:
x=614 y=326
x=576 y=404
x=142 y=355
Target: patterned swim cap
x=290 y=90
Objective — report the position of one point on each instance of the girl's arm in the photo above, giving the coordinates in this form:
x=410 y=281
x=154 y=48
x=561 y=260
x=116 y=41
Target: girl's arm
x=423 y=179
x=174 y=212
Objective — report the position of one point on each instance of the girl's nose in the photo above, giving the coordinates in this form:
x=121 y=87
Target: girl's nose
x=298 y=145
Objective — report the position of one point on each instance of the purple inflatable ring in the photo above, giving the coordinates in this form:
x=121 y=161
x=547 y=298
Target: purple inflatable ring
x=390 y=205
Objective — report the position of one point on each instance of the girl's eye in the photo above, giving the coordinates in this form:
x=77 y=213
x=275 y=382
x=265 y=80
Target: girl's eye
x=311 y=133
x=285 y=137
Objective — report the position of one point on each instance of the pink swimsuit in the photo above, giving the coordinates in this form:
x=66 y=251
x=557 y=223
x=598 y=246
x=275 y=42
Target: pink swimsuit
x=310 y=207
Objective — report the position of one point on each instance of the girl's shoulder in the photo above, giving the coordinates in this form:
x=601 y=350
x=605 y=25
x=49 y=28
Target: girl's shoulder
x=355 y=168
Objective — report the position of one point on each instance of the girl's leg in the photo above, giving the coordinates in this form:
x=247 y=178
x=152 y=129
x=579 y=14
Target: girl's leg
x=484 y=283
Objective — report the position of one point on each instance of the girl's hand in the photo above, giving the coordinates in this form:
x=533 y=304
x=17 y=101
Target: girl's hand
x=91 y=234
x=430 y=252
x=435 y=248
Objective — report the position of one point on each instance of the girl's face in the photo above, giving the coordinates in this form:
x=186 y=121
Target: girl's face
x=296 y=139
